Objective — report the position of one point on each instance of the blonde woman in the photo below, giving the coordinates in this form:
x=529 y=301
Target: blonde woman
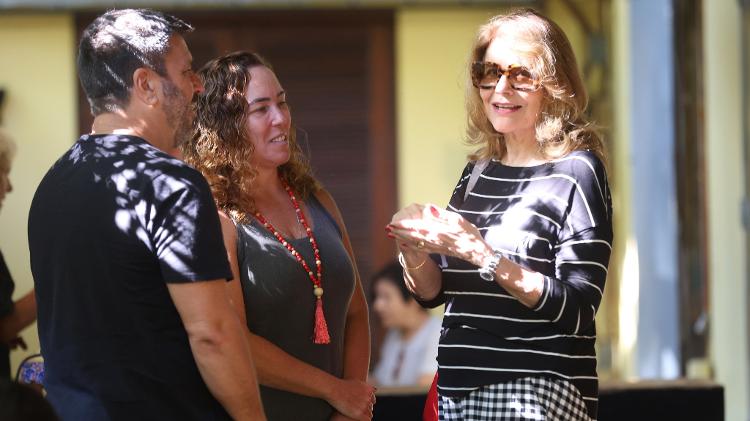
x=520 y=256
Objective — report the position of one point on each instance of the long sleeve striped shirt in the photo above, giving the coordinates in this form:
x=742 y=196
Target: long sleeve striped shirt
x=555 y=219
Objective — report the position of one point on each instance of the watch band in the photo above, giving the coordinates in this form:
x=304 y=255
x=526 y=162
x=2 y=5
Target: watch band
x=487 y=272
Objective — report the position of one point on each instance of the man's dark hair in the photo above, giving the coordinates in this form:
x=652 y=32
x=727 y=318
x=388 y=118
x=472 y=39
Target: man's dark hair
x=115 y=45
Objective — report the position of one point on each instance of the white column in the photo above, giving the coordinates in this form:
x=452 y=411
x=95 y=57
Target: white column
x=654 y=197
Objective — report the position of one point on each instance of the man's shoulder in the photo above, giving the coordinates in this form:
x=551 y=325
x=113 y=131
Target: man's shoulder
x=171 y=177
x=118 y=153
x=123 y=163
x=174 y=171
x=135 y=152
x=133 y=157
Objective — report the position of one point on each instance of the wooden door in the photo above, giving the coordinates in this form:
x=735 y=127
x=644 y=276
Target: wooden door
x=337 y=68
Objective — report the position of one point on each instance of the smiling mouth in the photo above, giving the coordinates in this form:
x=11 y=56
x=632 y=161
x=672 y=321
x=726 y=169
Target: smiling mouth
x=508 y=107
x=279 y=139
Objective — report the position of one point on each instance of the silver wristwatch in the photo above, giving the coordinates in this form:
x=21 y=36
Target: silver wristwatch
x=487 y=272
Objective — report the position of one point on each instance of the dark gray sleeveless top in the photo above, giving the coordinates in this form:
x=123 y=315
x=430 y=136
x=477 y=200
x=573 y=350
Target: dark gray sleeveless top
x=280 y=304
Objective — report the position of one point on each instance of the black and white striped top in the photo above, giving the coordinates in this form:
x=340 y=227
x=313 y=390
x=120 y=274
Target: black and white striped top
x=555 y=219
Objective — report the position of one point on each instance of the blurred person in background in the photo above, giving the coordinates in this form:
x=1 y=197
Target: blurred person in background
x=14 y=317
x=409 y=350
x=520 y=256
x=297 y=286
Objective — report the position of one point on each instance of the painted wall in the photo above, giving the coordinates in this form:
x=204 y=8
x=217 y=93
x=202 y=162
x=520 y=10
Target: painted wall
x=727 y=266
x=432 y=52
x=40 y=113
x=625 y=249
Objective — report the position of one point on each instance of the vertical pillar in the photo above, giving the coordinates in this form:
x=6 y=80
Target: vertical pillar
x=654 y=198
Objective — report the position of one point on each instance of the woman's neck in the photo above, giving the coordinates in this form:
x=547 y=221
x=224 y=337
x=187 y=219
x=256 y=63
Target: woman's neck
x=413 y=324
x=521 y=151
x=266 y=183
x=272 y=201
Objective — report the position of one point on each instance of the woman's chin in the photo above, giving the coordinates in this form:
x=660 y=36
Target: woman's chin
x=274 y=161
x=283 y=157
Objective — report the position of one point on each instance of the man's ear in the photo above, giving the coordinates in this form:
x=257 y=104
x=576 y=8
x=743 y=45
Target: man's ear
x=145 y=86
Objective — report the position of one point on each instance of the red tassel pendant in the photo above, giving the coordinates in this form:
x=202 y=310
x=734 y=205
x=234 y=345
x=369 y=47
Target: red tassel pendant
x=320 y=332
x=321 y=335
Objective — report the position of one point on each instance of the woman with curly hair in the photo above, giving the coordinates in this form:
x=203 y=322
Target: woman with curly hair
x=520 y=256
x=298 y=291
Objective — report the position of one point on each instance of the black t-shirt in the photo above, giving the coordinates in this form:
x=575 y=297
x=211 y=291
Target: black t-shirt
x=6 y=308
x=112 y=222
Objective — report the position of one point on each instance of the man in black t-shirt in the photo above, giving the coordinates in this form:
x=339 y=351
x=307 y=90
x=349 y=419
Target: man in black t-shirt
x=126 y=247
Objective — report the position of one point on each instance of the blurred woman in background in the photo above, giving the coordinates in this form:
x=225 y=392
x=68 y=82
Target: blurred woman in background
x=409 y=350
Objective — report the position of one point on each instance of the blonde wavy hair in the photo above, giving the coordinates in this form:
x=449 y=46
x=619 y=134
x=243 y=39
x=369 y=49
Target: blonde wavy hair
x=562 y=127
x=220 y=147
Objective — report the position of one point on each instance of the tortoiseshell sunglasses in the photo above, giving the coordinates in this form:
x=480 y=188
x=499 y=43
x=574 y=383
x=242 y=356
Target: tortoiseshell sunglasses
x=485 y=75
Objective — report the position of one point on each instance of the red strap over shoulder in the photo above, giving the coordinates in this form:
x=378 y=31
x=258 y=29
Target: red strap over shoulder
x=430 y=412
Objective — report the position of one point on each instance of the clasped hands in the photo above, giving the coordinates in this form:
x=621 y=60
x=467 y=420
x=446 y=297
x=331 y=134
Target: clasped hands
x=353 y=400
x=424 y=229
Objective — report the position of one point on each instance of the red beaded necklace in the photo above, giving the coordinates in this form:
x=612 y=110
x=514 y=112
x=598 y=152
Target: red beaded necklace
x=320 y=332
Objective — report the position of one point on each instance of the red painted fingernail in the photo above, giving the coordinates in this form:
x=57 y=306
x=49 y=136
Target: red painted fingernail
x=434 y=211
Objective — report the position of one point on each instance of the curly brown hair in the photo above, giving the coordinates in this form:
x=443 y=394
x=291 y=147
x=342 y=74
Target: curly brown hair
x=220 y=148
x=563 y=126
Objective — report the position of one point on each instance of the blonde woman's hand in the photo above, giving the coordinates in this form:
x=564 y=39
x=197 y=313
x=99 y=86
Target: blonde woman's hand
x=429 y=229
x=400 y=230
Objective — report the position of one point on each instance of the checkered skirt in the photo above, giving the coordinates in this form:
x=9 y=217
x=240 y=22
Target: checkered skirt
x=528 y=398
